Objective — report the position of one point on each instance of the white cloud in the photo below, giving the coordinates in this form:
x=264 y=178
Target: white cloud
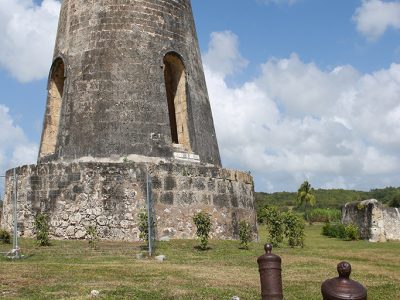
x=374 y=17
x=15 y=148
x=27 y=33
x=296 y=121
x=223 y=56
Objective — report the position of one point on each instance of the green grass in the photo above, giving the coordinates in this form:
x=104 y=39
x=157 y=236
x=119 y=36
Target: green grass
x=70 y=270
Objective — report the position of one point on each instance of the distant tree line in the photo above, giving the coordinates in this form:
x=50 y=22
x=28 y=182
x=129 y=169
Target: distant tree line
x=333 y=199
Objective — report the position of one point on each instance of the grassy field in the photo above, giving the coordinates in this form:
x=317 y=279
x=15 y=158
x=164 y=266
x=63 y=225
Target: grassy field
x=70 y=270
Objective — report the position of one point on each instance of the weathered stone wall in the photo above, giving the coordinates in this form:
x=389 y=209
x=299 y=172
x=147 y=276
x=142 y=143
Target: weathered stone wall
x=115 y=100
x=376 y=222
x=109 y=196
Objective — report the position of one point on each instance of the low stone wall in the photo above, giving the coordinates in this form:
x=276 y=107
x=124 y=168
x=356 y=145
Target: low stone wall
x=110 y=196
x=376 y=222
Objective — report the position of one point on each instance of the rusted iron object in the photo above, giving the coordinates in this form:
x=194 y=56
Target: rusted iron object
x=343 y=287
x=270 y=267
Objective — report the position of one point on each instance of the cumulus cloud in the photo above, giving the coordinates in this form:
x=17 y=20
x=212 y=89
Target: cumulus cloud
x=15 y=148
x=337 y=128
x=374 y=17
x=27 y=32
x=223 y=56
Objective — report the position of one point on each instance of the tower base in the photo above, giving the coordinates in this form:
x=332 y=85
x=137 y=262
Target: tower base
x=110 y=196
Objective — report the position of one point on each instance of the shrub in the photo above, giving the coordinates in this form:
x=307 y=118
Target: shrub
x=395 y=201
x=344 y=232
x=5 y=236
x=202 y=220
x=273 y=220
x=352 y=233
x=261 y=215
x=92 y=237
x=324 y=215
x=143 y=226
x=245 y=234
x=42 y=229
x=293 y=229
x=327 y=229
x=262 y=212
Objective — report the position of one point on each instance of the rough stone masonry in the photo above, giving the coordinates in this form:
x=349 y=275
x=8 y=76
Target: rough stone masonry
x=126 y=97
x=376 y=222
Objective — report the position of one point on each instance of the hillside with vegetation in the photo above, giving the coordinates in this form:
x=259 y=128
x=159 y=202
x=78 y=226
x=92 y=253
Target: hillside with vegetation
x=334 y=198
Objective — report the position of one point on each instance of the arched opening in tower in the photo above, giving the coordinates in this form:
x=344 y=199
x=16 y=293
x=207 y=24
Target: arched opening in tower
x=53 y=108
x=175 y=83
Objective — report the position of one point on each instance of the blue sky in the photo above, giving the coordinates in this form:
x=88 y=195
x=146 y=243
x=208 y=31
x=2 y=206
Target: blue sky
x=318 y=31
x=304 y=89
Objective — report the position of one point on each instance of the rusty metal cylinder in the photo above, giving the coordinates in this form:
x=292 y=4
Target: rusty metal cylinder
x=270 y=267
x=342 y=287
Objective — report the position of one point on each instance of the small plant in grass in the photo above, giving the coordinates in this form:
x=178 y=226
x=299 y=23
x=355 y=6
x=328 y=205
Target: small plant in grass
x=202 y=220
x=93 y=239
x=352 y=233
x=293 y=229
x=144 y=226
x=245 y=234
x=5 y=236
x=42 y=229
x=274 y=222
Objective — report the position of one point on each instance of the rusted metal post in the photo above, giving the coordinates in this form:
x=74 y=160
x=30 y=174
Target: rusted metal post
x=270 y=267
x=342 y=287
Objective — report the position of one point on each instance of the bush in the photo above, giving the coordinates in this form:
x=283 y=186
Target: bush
x=324 y=215
x=352 y=233
x=245 y=234
x=143 y=226
x=42 y=229
x=5 y=236
x=395 y=201
x=273 y=220
x=262 y=212
x=326 y=229
x=92 y=237
x=334 y=230
x=293 y=229
x=261 y=215
x=202 y=220
x=344 y=232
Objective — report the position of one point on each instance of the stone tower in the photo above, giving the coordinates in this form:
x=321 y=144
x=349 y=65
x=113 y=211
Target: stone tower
x=127 y=79
x=127 y=97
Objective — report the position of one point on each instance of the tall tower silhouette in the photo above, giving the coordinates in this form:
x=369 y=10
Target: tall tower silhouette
x=128 y=127
x=127 y=79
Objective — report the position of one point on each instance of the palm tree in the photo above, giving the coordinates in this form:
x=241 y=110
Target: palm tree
x=305 y=197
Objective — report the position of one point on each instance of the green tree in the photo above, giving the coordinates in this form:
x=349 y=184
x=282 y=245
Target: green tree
x=274 y=223
x=92 y=237
x=202 y=220
x=306 y=197
x=42 y=229
x=294 y=229
x=245 y=234
x=144 y=226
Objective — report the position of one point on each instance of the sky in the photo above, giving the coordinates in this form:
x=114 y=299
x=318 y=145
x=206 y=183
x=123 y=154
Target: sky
x=300 y=89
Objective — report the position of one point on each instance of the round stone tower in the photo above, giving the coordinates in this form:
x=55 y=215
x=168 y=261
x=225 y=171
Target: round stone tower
x=128 y=128
x=127 y=79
